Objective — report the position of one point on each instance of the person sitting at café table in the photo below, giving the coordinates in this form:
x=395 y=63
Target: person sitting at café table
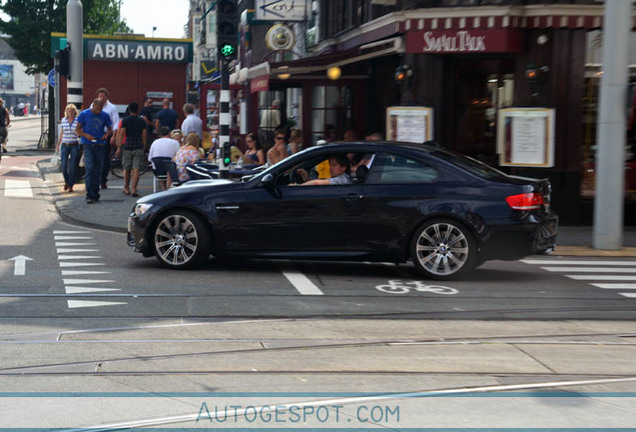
x=279 y=151
x=254 y=154
x=339 y=168
x=187 y=155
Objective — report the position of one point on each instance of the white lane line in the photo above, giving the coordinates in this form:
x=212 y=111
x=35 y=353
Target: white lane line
x=615 y=285
x=299 y=280
x=71 y=232
x=603 y=277
x=71 y=257
x=58 y=244
x=69 y=237
x=81 y=272
x=630 y=295
x=18 y=189
x=590 y=269
x=79 y=264
x=85 y=281
x=72 y=304
x=83 y=290
x=66 y=250
x=592 y=263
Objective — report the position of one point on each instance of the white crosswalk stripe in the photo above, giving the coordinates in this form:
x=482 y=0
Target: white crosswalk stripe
x=593 y=272
x=17 y=189
x=75 y=257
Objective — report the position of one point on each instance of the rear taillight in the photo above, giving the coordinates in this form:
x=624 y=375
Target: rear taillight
x=526 y=201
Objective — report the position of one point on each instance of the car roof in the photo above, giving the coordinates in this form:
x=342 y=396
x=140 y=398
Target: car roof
x=425 y=147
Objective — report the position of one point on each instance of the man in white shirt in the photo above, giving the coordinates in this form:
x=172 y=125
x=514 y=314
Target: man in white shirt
x=192 y=123
x=164 y=146
x=110 y=109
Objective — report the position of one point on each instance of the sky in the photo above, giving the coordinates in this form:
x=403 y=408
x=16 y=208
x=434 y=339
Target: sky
x=169 y=16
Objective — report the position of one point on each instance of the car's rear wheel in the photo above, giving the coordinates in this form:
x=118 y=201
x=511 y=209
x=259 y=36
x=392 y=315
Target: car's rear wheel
x=443 y=249
x=181 y=240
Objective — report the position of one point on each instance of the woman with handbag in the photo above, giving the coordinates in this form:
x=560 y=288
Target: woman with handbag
x=68 y=147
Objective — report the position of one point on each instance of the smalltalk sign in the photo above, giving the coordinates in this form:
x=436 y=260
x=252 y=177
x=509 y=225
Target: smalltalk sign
x=463 y=41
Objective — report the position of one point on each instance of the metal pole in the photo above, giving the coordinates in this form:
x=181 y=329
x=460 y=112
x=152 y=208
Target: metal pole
x=612 y=121
x=74 y=36
x=224 y=116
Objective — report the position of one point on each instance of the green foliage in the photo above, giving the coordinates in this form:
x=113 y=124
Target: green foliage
x=31 y=23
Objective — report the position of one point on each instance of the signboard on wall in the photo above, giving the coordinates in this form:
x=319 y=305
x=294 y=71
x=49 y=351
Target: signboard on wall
x=121 y=50
x=6 y=77
x=463 y=41
x=281 y=10
x=525 y=137
x=409 y=124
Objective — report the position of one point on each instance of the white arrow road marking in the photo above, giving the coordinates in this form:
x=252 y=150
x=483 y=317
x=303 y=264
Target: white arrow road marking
x=83 y=290
x=81 y=272
x=68 y=237
x=85 y=303
x=85 y=281
x=76 y=264
x=19 y=268
x=58 y=244
x=71 y=232
x=65 y=250
x=70 y=257
x=18 y=189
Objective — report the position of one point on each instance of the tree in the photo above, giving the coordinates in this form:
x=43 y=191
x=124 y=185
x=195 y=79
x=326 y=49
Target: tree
x=31 y=23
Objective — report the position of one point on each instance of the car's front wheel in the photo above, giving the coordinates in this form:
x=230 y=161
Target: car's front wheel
x=181 y=240
x=443 y=249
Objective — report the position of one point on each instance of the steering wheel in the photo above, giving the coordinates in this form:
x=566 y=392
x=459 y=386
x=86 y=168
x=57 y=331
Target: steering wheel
x=294 y=177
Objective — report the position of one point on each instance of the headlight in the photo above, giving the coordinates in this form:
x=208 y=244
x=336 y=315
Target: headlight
x=142 y=208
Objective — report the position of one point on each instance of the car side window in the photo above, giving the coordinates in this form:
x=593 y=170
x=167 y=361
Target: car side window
x=396 y=168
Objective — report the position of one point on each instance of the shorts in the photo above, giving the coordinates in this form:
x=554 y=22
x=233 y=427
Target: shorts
x=3 y=134
x=132 y=159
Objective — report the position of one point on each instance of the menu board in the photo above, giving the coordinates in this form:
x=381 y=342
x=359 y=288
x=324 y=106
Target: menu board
x=409 y=124
x=525 y=137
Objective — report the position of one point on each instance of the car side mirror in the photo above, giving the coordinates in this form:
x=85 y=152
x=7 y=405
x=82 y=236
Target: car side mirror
x=268 y=181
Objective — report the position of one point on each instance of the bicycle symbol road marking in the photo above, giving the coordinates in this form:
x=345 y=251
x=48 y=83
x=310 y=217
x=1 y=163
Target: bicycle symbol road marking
x=399 y=287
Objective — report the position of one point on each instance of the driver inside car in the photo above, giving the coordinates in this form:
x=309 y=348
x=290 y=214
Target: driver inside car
x=339 y=168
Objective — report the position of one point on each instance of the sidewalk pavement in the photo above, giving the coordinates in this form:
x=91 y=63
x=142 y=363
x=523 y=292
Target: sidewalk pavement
x=114 y=207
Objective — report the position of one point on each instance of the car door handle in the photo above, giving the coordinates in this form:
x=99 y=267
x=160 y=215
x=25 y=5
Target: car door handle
x=353 y=197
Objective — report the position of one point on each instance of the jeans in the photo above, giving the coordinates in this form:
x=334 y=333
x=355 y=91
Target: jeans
x=69 y=168
x=94 y=164
x=106 y=166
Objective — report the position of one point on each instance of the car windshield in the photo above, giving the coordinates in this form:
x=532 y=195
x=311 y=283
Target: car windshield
x=471 y=165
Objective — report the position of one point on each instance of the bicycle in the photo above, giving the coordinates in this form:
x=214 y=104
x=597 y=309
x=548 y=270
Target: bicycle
x=399 y=287
x=116 y=166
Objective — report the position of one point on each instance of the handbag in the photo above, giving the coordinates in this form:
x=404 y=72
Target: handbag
x=55 y=159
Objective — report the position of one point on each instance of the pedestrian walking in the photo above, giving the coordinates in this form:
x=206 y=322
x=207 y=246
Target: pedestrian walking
x=68 y=147
x=5 y=121
x=146 y=114
x=91 y=125
x=192 y=123
x=110 y=109
x=167 y=116
x=133 y=128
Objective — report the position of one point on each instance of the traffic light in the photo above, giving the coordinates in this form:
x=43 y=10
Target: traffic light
x=227 y=20
x=63 y=64
x=226 y=154
x=402 y=73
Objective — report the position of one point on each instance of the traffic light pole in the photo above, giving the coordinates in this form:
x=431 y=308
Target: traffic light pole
x=224 y=119
x=74 y=36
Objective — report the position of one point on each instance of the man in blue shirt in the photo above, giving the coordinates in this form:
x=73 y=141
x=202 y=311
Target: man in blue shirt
x=91 y=124
x=167 y=116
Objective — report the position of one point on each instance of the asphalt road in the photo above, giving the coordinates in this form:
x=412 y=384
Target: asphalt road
x=87 y=326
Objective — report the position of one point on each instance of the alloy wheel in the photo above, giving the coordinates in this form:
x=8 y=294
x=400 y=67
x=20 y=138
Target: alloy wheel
x=442 y=249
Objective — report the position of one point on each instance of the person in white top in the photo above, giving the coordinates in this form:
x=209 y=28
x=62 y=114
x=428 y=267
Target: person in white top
x=110 y=109
x=192 y=123
x=164 y=146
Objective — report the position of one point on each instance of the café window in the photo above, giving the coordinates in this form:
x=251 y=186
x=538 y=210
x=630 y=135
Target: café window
x=331 y=112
